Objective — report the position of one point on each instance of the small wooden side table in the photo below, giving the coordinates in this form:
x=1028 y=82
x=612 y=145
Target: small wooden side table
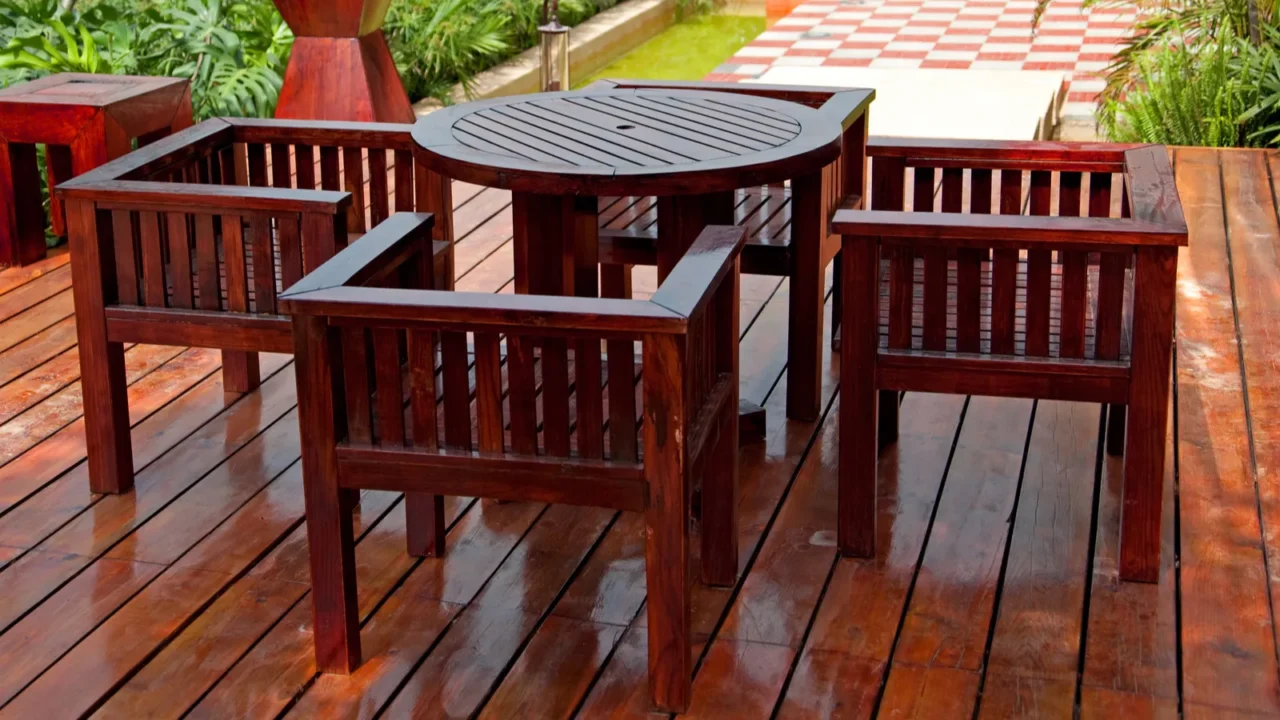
x=83 y=121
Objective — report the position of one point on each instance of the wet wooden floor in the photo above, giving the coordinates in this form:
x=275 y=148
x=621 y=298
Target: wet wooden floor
x=994 y=595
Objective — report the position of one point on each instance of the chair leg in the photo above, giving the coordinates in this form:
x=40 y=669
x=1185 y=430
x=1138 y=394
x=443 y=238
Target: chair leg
x=240 y=372
x=667 y=524
x=329 y=507
x=720 y=504
x=102 y=375
x=1146 y=429
x=859 y=418
x=1115 y=430
x=424 y=520
x=888 y=430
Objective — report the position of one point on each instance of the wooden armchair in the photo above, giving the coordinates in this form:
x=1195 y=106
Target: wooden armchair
x=1072 y=302
x=191 y=239
x=553 y=420
x=788 y=226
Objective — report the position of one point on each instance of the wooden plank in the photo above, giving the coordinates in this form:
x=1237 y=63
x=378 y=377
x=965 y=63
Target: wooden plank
x=766 y=471
x=1228 y=642
x=90 y=533
x=49 y=417
x=179 y=230
x=1133 y=627
x=1035 y=646
x=946 y=626
x=458 y=672
x=41 y=288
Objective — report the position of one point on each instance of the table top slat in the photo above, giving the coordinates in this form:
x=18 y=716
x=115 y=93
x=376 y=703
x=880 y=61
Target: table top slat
x=576 y=138
x=727 y=123
x=694 y=132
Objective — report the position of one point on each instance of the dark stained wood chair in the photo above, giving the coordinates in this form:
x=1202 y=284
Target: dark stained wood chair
x=1018 y=269
x=555 y=419
x=784 y=240
x=190 y=241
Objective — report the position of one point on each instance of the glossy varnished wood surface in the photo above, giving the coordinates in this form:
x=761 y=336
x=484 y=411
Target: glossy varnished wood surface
x=994 y=592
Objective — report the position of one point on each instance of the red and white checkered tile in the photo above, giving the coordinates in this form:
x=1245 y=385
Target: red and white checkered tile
x=952 y=34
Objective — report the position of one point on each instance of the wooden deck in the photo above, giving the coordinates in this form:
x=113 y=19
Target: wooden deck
x=994 y=594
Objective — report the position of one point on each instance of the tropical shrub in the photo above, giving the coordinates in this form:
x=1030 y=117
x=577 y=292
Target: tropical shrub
x=234 y=51
x=1188 y=94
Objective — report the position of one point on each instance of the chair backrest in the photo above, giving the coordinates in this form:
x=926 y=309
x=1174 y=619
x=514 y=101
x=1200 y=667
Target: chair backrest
x=508 y=396
x=971 y=281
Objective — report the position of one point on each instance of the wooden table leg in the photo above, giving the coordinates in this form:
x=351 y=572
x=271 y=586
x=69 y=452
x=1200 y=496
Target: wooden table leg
x=21 y=214
x=57 y=162
x=804 y=326
x=543 y=243
x=680 y=219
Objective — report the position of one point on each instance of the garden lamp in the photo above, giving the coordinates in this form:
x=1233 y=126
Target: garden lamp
x=554 y=71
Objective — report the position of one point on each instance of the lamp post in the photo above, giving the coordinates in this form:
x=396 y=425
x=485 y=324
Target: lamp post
x=554 y=70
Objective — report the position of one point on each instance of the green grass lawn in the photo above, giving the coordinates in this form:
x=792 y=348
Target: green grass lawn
x=685 y=51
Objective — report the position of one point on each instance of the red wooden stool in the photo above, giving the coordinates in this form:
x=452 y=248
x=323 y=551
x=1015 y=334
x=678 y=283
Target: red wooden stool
x=83 y=121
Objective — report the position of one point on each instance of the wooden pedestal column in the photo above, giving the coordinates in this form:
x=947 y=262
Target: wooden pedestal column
x=340 y=67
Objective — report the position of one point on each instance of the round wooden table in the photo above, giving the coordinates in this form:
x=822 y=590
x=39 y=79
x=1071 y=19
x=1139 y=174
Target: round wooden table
x=559 y=152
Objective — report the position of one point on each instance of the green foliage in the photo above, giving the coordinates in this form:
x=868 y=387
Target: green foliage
x=1187 y=95
x=233 y=51
x=440 y=43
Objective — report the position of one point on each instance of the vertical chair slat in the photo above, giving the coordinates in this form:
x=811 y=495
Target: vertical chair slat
x=290 y=245
x=207 y=263
x=489 y=393
x=353 y=172
x=1109 y=312
x=214 y=168
x=457 y=398
x=379 y=194
x=555 y=396
x=1075 y=266
x=422 y=388
x=1100 y=194
x=330 y=171
x=355 y=382
x=934 y=299
x=227 y=165
x=390 y=384
x=126 y=257
x=615 y=282
x=1004 y=271
x=305 y=159
x=320 y=234
x=969 y=266
x=281 y=176
x=1039 y=273
x=264 y=265
x=234 y=258
x=425 y=523
x=901 y=289
x=180 y=259
x=588 y=393
x=522 y=395
x=257 y=155
x=404 y=180
x=152 y=259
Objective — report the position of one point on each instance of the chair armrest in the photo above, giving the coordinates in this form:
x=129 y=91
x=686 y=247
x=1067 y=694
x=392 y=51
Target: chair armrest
x=695 y=279
x=372 y=257
x=170 y=150
x=212 y=199
x=845 y=107
x=493 y=312
x=1005 y=230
